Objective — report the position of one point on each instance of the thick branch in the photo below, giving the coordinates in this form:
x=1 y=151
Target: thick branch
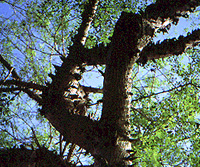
x=63 y=73
x=116 y=100
x=56 y=108
x=158 y=16
x=66 y=73
x=132 y=33
x=164 y=11
x=75 y=128
x=169 y=47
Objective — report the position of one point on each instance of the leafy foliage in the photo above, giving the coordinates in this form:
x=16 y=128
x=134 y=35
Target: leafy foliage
x=165 y=103
x=166 y=111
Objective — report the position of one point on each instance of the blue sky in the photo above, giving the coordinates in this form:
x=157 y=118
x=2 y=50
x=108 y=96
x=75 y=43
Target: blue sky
x=97 y=80
x=94 y=79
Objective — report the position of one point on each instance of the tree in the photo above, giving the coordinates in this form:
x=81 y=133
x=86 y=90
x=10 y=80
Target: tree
x=142 y=122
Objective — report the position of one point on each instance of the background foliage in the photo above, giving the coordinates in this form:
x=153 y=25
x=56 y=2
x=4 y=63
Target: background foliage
x=165 y=102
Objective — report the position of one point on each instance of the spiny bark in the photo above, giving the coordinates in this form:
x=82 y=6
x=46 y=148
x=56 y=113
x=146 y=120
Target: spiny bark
x=18 y=157
x=56 y=108
x=66 y=72
x=108 y=139
x=158 y=16
x=170 y=47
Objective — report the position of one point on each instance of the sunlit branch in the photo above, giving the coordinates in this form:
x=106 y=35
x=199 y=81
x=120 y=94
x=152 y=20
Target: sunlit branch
x=87 y=17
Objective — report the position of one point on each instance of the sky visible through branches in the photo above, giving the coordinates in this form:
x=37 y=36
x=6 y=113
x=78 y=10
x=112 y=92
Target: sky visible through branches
x=94 y=79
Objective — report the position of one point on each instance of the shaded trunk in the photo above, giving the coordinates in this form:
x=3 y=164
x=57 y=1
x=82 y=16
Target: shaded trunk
x=22 y=157
x=108 y=140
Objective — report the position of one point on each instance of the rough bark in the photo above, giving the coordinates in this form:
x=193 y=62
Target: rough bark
x=169 y=47
x=22 y=157
x=132 y=33
x=108 y=140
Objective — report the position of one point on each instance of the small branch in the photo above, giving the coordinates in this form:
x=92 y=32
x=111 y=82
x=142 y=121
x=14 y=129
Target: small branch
x=9 y=67
x=71 y=150
x=12 y=135
x=34 y=96
x=65 y=147
x=31 y=94
x=8 y=75
x=92 y=90
x=60 y=143
x=9 y=89
x=141 y=113
x=165 y=91
x=22 y=84
x=35 y=138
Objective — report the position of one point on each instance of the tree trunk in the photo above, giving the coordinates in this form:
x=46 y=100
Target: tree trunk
x=109 y=139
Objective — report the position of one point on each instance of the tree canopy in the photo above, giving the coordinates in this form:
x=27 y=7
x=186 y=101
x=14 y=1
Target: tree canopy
x=99 y=83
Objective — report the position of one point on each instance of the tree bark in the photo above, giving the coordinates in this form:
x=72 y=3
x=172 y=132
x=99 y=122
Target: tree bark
x=108 y=140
